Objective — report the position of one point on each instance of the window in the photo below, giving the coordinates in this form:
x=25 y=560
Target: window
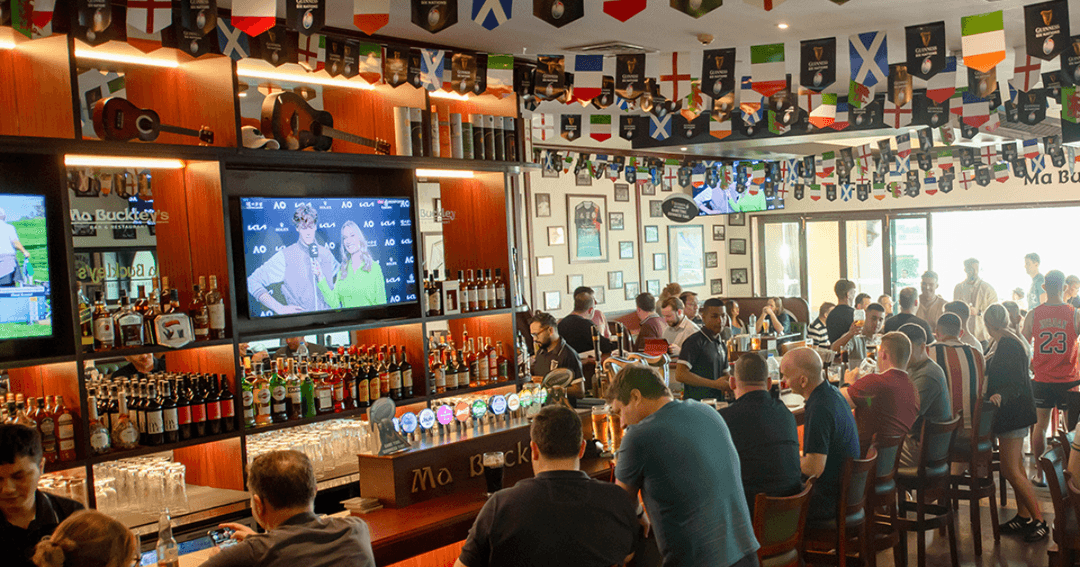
x=781 y=246
x=865 y=257
x=910 y=252
x=823 y=261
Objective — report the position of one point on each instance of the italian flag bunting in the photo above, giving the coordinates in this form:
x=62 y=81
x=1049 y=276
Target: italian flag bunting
x=600 y=127
x=825 y=114
x=500 y=75
x=767 y=68
x=983 y=40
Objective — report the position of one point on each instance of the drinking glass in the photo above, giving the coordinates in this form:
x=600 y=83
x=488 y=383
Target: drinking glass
x=494 y=469
x=600 y=417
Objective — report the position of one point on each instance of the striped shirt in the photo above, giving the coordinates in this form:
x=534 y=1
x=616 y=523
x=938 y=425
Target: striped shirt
x=818 y=333
x=964 y=374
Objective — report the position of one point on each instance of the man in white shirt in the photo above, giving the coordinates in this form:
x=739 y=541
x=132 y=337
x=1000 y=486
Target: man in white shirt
x=678 y=327
x=9 y=242
x=931 y=305
x=979 y=295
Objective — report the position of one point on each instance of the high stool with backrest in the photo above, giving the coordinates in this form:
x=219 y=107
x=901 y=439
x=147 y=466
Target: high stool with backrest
x=1064 y=532
x=1069 y=540
x=977 y=452
x=881 y=504
x=778 y=526
x=930 y=482
x=832 y=536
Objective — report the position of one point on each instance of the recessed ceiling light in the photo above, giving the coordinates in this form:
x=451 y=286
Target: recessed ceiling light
x=782 y=26
x=683 y=149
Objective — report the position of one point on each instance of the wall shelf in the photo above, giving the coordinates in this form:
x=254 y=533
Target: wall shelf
x=121 y=352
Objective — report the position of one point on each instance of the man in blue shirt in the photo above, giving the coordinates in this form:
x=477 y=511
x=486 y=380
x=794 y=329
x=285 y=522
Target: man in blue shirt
x=679 y=455
x=829 y=432
x=703 y=364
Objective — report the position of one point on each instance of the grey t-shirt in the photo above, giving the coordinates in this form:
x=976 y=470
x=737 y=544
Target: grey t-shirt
x=934 y=405
x=684 y=461
x=304 y=540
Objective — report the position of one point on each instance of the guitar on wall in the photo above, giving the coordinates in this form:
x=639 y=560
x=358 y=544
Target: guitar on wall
x=296 y=125
x=117 y=119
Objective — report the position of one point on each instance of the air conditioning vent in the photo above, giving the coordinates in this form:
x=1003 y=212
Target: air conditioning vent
x=610 y=48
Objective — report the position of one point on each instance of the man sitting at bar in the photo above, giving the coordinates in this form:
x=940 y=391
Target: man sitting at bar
x=679 y=456
x=651 y=326
x=558 y=517
x=552 y=352
x=679 y=326
x=909 y=304
x=817 y=331
x=598 y=317
x=690 y=307
x=885 y=402
x=931 y=305
x=282 y=485
x=855 y=339
x=961 y=310
x=843 y=314
x=764 y=433
x=929 y=380
x=964 y=368
x=829 y=432
x=26 y=513
x=703 y=364
x=140 y=364
x=577 y=327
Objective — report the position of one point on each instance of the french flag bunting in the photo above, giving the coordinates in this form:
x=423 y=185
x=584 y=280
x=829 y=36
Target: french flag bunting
x=588 y=76
x=941 y=87
x=976 y=110
x=1031 y=148
x=930 y=185
x=841 y=121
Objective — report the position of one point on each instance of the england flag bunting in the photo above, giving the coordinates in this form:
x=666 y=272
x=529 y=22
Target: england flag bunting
x=674 y=78
x=491 y=14
x=254 y=17
x=1027 y=72
x=942 y=86
x=149 y=16
x=841 y=120
x=660 y=128
x=869 y=65
x=809 y=100
x=369 y=16
x=897 y=116
x=311 y=51
x=588 y=76
x=989 y=155
x=863 y=158
x=543 y=127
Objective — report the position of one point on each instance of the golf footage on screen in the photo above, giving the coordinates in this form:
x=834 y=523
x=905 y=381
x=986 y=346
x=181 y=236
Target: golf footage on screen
x=25 y=298
x=310 y=255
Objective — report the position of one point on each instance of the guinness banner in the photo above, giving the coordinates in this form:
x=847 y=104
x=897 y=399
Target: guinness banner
x=1046 y=27
x=463 y=72
x=817 y=68
x=571 y=127
x=718 y=72
x=395 y=61
x=982 y=85
x=275 y=45
x=198 y=15
x=480 y=80
x=607 y=93
x=1031 y=106
x=628 y=125
x=432 y=15
x=415 y=59
x=194 y=43
x=690 y=129
x=900 y=84
x=350 y=58
x=549 y=81
x=558 y=12
x=93 y=22
x=1070 y=62
x=630 y=75
x=926 y=112
x=925 y=49
x=305 y=16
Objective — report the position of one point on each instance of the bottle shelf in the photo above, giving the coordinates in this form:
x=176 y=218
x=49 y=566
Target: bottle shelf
x=304 y=421
x=150 y=449
x=37 y=361
x=474 y=389
x=154 y=349
x=469 y=315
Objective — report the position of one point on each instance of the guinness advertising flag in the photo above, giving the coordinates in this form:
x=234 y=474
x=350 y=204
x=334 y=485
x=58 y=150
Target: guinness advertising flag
x=718 y=72
x=549 y=81
x=194 y=43
x=607 y=93
x=1052 y=84
x=480 y=81
x=628 y=125
x=93 y=21
x=305 y=16
x=869 y=116
x=275 y=45
x=334 y=48
x=982 y=85
x=817 y=68
x=350 y=58
x=925 y=49
x=395 y=63
x=558 y=12
x=463 y=72
x=900 y=84
x=415 y=59
x=1070 y=62
x=571 y=127
x=1046 y=27
x=432 y=15
x=1008 y=152
x=198 y=15
x=630 y=75
x=690 y=129
x=926 y=112
x=1031 y=106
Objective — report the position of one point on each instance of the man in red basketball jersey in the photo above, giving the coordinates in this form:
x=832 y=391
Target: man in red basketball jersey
x=1053 y=326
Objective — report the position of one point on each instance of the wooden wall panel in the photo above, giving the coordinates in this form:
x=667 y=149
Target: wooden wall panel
x=219 y=465
x=174 y=256
x=442 y=557
x=476 y=238
x=367 y=113
x=204 y=210
x=42 y=85
x=9 y=121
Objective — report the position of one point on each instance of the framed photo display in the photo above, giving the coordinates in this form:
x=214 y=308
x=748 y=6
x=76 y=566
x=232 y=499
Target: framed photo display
x=556 y=236
x=737 y=219
x=711 y=260
x=573 y=282
x=631 y=291
x=616 y=221
x=552 y=301
x=739 y=276
x=586 y=228
x=652 y=234
x=718 y=232
x=543 y=205
x=659 y=261
x=614 y=280
x=626 y=250
x=716 y=287
x=686 y=255
x=622 y=192
x=737 y=246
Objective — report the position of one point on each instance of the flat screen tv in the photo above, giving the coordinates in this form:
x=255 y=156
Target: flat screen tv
x=725 y=197
x=313 y=255
x=25 y=293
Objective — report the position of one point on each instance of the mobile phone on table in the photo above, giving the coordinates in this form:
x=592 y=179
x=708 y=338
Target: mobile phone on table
x=221 y=537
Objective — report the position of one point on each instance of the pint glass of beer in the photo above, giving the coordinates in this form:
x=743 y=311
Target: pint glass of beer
x=600 y=418
x=860 y=317
x=616 y=430
x=494 y=466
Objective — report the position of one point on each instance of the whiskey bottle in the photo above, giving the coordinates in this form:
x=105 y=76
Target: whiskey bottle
x=434 y=296
x=502 y=362
x=492 y=362
x=141 y=302
x=86 y=317
x=166 y=293
x=129 y=324
x=100 y=440
x=263 y=395
x=500 y=290
x=227 y=401
x=473 y=293
x=438 y=372
x=406 y=375
x=46 y=426
x=395 y=375
x=363 y=385
x=104 y=333
x=65 y=429
x=294 y=400
x=124 y=434
x=490 y=283
x=438 y=288
x=481 y=291
x=215 y=305
x=200 y=315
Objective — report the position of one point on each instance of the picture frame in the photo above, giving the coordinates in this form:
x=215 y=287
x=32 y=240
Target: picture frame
x=549 y=173
x=125 y=232
x=573 y=282
x=626 y=250
x=545 y=265
x=711 y=260
x=552 y=301
x=616 y=221
x=599 y=294
x=647 y=188
x=653 y=287
x=652 y=234
x=622 y=193
x=583 y=178
x=686 y=255
x=543 y=205
x=659 y=261
x=614 y=280
x=656 y=209
x=739 y=276
x=556 y=236
x=719 y=232
x=737 y=246
x=586 y=224
x=716 y=287
x=631 y=291
x=737 y=219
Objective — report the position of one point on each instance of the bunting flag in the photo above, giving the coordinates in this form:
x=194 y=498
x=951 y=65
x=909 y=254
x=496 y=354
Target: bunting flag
x=311 y=51
x=233 y=42
x=767 y=68
x=696 y=8
x=826 y=168
x=1036 y=165
x=815 y=192
x=825 y=114
x=491 y=14
x=880 y=191
x=500 y=75
x=1046 y=26
x=750 y=103
x=42 y=18
x=982 y=85
x=588 y=76
x=983 y=40
x=149 y=16
x=369 y=16
x=863 y=157
x=623 y=10
x=432 y=64
x=543 y=127
x=1070 y=104
x=549 y=79
x=1027 y=73
x=600 y=127
x=942 y=86
x=925 y=49
x=817 y=67
x=976 y=111
x=930 y=185
x=900 y=85
x=718 y=72
x=841 y=121
x=369 y=62
x=674 y=79
x=630 y=75
x=719 y=127
x=434 y=16
x=254 y=17
x=1001 y=172
x=869 y=65
x=766 y=5
x=897 y=116
x=1031 y=148
x=660 y=128
x=1070 y=61
x=559 y=12
x=1031 y=106
x=809 y=100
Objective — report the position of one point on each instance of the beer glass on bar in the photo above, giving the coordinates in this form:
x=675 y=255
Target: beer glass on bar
x=494 y=467
x=615 y=420
x=601 y=416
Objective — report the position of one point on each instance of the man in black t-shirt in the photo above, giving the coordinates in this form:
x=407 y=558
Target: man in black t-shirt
x=703 y=363
x=560 y=516
x=145 y=363
x=909 y=303
x=841 y=317
x=552 y=352
x=576 y=328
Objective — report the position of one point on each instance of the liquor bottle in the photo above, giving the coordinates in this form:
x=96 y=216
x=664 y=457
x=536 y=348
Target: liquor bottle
x=384 y=376
x=437 y=290
x=502 y=363
x=463 y=292
x=169 y=424
x=130 y=326
x=307 y=391
x=200 y=315
x=348 y=382
x=337 y=385
x=65 y=429
x=278 y=394
x=124 y=434
x=227 y=401
x=463 y=368
x=198 y=408
x=100 y=440
x=213 y=404
x=324 y=393
x=294 y=400
x=247 y=396
x=215 y=305
x=113 y=409
x=428 y=285
x=363 y=385
x=174 y=301
x=86 y=317
x=168 y=552
x=452 y=370
x=155 y=423
x=473 y=361
x=104 y=333
x=438 y=373
x=183 y=409
x=263 y=395
x=473 y=293
x=481 y=291
x=406 y=375
x=135 y=411
x=490 y=283
x=374 y=377
x=153 y=309
x=46 y=426
x=395 y=375
x=500 y=290
x=166 y=293
x=141 y=302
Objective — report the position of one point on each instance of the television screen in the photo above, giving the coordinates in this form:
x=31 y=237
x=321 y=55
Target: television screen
x=725 y=196
x=25 y=296
x=314 y=254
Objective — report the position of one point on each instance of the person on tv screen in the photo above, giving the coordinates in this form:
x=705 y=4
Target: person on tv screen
x=359 y=282
x=293 y=268
x=9 y=242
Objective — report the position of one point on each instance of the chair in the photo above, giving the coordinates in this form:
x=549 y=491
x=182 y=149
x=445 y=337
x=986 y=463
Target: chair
x=930 y=482
x=850 y=522
x=1070 y=536
x=977 y=483
x=778 y=526
x=1066 y=439
x=885 y=529
x=1064 y=533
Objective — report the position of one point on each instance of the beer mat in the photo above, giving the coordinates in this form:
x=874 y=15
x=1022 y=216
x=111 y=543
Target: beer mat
x=655 y=347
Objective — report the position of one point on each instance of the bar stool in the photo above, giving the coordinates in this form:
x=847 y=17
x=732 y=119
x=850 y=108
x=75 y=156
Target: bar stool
x=885 y=529
x=1068 y=541
x=778 y=526
x=930 y=482
x=1065 y=531
x=851 y=522
x=977 y=483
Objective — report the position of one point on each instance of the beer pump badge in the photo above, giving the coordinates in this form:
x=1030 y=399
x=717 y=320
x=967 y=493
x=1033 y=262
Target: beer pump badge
x=479 y=409
x=427 y=418
x=498 y=405
x=526 y=398
x=408 y=422
x=513 y=403
x=445 y=415
x=461 y=411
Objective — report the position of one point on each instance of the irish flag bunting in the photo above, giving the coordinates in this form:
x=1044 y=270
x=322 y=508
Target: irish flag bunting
x=254 y=17
x=719 y=128
x=983 y=40
x=767 y=68
x=600 y=127
x=369 y=16
x=500 y=75
x=369 y=62
x=825 y=114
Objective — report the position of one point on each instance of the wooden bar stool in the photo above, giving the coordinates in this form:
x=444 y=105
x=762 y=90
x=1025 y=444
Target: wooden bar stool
x=884 y=527
x=832 y=536
x=779 y=525
x=977 y=483
x=930 y=482
x=1065 y=532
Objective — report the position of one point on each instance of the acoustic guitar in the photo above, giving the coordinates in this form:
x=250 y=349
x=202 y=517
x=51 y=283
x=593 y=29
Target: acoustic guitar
x=117 y=119
x=296 y=125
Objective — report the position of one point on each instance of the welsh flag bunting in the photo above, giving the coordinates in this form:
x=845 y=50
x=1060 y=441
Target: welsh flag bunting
x=254 y=17
x=825 y=114
x=369 y=16
x=767 y=68
x=500 y=75
x=1070 y=104
x=600 y=127
x=983 y=40
x=491 y=14
x=623 y=10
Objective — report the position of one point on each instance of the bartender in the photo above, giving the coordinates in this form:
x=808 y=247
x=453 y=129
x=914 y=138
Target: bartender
x=140 y=364
x=292 y=348
x=26 y=513
x=552 y=352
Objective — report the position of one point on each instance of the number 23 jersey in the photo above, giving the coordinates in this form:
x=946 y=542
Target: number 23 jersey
x=1054 y=330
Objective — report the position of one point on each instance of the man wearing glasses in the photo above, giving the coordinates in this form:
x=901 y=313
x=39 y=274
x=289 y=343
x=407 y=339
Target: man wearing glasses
x=552 y=353
x=291 y=268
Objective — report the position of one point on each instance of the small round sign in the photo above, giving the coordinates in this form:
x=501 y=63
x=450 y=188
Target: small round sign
x=383 y=408
x=513 y=403
x=542 y=396
x=461 y=411
x=445 y=415
x=479 y=409
x=427 y=418
x=526 y=398
x=408 y=422
x=397 y=425
x=498 y=405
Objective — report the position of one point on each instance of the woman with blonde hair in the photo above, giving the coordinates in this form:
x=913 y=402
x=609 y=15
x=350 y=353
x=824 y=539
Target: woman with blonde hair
x=359 y=282
x=88 y=538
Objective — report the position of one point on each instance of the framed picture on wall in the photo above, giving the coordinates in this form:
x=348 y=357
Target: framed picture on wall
x=711 y=260
x=614 y=280
x=648 y=188
x=622 y=192
x=718 y=231
x=550 y=172
x=543 y=205
x=631 y=291
x=545 y=266
x=556 y=236
x=615 y=221
x=737 y=219
x=716 y=287
x=659 y=261
x=737 y=246
x=626 y=249
x=552 y=301
x=686 y=251
x=583 y=178
x=739 y=276
x=599 y=294
x=652 y=234
x=653 y=287
x=656 y=209
x=573 y=282
x=587 y=231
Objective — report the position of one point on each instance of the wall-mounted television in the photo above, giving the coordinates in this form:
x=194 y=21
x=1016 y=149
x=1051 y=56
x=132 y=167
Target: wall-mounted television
x=25 y=291
x=725 y=197
x=315 y=254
